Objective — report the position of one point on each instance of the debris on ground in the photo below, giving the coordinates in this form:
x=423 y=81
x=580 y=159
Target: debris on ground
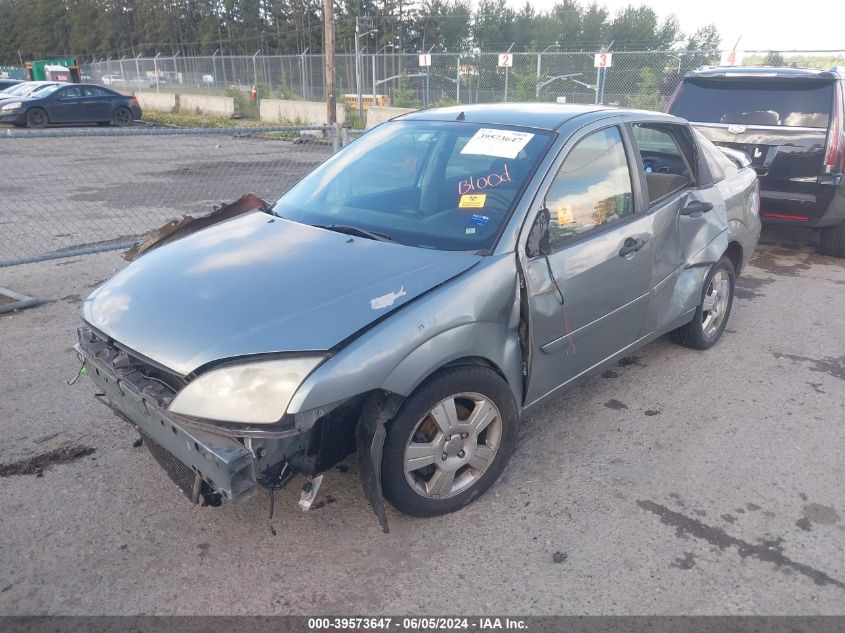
x=37 y=464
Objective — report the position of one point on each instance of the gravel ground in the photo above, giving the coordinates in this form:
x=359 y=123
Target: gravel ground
x=678 y=482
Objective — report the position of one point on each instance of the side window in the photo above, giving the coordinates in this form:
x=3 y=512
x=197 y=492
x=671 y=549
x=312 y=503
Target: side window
x=665 y=163
x=70 y=93
x=93 y=91
x=592 y=187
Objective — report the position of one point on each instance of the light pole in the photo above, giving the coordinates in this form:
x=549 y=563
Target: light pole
x=214 y=67
x=358 y=78
x=679 y=62
x=539 y=57
x=427 y=80
x=137 y=70
x=155 y=68
x=375 y=57
x=255 y=68
x=302 y=72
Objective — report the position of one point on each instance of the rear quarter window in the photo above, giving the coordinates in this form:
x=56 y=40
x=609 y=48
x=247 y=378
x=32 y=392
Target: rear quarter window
x=771 y=102
x=719 y=165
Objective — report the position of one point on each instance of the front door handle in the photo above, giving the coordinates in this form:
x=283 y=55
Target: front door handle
x=696 y=208
x=631 y=245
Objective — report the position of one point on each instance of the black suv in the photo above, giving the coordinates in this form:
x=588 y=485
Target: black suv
x=789 y=121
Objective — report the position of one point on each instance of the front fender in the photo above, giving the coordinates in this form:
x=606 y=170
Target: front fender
x=494 y=342
x=476 y=314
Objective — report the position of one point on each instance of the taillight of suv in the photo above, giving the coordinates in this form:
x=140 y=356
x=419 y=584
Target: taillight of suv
x=834 y=153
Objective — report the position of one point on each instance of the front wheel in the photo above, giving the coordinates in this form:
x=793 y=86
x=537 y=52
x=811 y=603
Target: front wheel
x=122 y=117
x=36 y=118
x=450 y=441
x=711 y=316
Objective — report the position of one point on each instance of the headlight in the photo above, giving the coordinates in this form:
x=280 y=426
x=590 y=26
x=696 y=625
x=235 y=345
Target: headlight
x=256 y=393
x=11 y=106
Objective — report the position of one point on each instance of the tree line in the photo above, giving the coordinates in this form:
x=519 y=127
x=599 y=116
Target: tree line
x=31 y=29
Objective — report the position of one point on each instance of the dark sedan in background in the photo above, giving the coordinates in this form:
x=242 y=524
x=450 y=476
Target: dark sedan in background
x=70 y=103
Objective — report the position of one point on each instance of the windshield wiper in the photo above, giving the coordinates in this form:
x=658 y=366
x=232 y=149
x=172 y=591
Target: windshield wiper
x=355 y=230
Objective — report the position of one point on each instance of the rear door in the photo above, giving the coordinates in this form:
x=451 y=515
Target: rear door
x=671 y=183
x=780 y=123
x=95 y=104
x=588 y=298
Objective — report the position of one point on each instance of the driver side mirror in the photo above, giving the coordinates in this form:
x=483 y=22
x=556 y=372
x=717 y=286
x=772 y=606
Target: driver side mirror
x=538 y=243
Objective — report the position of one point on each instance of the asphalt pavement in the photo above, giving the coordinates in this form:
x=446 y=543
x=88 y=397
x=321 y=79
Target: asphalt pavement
x=676 y=482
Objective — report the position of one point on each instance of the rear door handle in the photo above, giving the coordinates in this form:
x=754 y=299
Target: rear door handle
x=631 y=245
x=696 y=208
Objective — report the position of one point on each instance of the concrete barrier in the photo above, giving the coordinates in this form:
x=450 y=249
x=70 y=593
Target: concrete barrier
x=161 y=101
x=207 y=104
x=302 y=112
x=381 y=114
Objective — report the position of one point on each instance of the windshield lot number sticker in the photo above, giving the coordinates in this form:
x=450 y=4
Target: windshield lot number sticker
x=476 y=201
x=501 y=143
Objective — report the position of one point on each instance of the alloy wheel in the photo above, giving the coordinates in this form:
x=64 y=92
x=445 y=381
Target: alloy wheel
x=453 y=445
x=715 y=305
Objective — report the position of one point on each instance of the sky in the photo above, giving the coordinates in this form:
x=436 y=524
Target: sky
x=760 y=24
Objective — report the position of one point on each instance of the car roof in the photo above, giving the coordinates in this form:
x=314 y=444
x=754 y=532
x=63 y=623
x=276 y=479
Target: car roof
x=544 y=116
x=764 y=71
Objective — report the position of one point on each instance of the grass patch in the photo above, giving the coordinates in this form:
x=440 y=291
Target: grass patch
x=192 y=119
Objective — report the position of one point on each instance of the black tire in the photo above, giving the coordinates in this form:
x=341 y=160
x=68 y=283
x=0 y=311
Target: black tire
x=693 y=333
x=464 y=379
x=832 y=241
x=122 y=116
x=36 y=118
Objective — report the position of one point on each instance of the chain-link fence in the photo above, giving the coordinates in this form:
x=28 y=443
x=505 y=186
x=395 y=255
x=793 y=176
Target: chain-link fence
x=74 y=191
x=635 y=78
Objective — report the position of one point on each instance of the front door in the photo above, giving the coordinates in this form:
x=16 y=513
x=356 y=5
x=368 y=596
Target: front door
x=588 y=298
x=65 y=104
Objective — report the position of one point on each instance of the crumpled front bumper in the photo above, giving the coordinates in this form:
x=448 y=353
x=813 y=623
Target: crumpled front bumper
x=199 y=462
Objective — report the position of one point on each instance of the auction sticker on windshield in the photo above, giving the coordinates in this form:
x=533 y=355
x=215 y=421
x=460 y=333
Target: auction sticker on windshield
x=501 y=143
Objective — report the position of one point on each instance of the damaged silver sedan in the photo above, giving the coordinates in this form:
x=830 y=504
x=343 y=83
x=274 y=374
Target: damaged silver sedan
x=418 y=293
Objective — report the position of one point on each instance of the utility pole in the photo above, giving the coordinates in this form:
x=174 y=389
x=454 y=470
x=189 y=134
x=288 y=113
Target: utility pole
x=358 y=73
x=328 y=56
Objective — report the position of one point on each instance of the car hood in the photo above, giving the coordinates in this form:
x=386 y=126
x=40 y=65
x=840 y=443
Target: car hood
x=260 y=284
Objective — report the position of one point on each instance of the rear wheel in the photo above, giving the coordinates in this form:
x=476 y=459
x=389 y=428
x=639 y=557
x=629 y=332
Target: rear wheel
x=122 y=116
x=450 y=441
x=832 y=241
x=711 y=316
x=36 y=118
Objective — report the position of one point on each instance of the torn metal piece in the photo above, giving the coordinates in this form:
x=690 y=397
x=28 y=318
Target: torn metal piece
x=309 y=493
x=177 y=229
